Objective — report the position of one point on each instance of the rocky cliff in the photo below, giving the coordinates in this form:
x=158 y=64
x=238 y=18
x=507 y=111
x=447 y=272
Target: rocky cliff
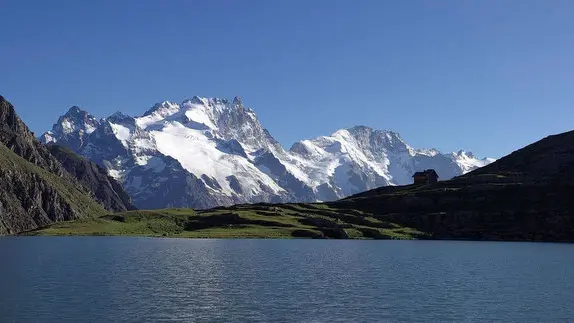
x=32 y=197
x=15 y=135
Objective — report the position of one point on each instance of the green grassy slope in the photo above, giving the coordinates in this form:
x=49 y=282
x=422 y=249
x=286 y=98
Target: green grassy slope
x=241 y=221
x=79 y=200
x=31 y=196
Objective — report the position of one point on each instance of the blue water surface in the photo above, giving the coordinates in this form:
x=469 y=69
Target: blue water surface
x=116 y=279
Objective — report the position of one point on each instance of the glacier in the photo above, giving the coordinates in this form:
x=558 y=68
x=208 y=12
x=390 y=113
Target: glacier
x=208 y=152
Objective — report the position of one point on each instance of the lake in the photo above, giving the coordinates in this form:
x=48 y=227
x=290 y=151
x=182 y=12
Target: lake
x=113 y=279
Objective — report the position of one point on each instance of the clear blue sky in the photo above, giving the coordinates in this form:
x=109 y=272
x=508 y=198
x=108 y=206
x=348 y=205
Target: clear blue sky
x=485 y=75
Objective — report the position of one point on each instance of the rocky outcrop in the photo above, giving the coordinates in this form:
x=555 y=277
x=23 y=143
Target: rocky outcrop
x=31 y=197
x=15 y=135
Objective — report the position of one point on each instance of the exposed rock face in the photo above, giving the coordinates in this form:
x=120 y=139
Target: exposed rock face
x=106 y=190
x=31 y=197
x=22 y=205
x=72 y=128
x=15 y=135
x=526 y=195
x=35 y=190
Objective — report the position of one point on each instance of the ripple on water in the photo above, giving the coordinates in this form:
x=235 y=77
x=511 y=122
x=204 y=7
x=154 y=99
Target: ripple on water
x=51 y=279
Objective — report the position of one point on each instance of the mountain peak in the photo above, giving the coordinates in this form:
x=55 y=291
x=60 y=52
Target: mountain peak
x=365 y=131
x=75 y=112
x=163 y=108
x=237 y=101
x=9 y=119
x=198 y=100
x=74 y=120
x=206 y=101
x=363 y=128
x=119 y=117
x=360 y=128
x=74 y=109
x=219 y=100
x=118 y=114
x=71 y=128
x=466 y=154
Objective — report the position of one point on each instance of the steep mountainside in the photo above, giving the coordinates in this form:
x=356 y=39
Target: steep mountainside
x=208 y=152
x=526 y=195
x=548 y=160
x=15 y=135
x=35 y=190
x=106 y=190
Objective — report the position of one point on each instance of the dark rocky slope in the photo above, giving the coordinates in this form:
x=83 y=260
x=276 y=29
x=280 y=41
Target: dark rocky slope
x=106 y=190
x=526 y=196
x=15 y=135
x=35 y=189
x=32 y=197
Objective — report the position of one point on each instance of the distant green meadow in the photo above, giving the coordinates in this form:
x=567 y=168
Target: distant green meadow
x=241 y=221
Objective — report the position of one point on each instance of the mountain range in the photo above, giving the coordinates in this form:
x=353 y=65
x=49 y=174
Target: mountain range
x=525 y=196
x=208 y=152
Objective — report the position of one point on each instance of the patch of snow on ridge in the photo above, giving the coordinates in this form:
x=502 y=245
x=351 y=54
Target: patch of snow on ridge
x=199 y=113
x=157 y=113
x=67 y=126
x=90 y=128
x=468 y=162
x=49 y=137
x=122 y=133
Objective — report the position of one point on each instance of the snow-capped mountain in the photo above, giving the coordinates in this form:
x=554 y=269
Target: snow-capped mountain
x=72 y=128
x=208 y=152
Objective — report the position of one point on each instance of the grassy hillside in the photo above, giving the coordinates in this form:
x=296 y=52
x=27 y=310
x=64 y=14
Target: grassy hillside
x=241 y=221
x=31 y=196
